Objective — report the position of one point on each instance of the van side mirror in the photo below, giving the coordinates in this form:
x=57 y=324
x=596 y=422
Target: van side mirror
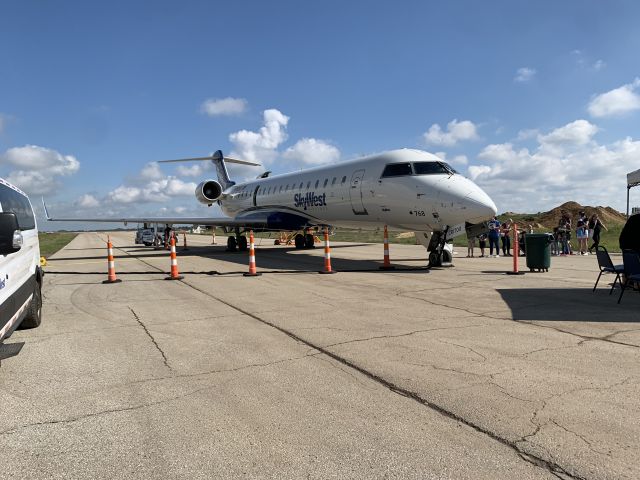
x=10 y=235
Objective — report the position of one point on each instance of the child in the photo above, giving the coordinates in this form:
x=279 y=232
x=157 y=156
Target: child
x=471 y=245
x=482 y=243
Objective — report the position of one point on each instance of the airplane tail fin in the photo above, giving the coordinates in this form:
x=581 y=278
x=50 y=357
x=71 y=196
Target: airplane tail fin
x=219 y=160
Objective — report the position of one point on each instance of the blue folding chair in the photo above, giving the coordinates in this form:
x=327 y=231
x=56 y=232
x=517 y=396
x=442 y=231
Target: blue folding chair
x=607 y=266
x=631 y=261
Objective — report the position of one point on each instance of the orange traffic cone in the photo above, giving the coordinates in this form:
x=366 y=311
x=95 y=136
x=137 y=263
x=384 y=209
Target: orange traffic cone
x=175 y=275
x=111 y=264
x=327 y=253
x=387 y=263
x=252 y=258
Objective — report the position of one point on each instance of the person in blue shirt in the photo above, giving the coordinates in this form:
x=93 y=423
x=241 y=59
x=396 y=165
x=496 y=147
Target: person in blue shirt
x=494 y=236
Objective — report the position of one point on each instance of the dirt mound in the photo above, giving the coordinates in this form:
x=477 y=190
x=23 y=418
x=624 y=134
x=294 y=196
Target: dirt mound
x=608 y=215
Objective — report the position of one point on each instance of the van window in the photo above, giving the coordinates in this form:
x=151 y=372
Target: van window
x=396 y=170
x=17 y=203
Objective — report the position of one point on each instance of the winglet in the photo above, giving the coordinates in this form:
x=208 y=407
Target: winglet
x=46 y=211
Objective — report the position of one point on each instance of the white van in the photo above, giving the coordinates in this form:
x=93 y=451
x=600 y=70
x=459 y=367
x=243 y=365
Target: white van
x=20 y=272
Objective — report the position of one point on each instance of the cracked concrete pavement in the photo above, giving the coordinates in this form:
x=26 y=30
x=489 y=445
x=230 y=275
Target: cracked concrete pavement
x=453 y=373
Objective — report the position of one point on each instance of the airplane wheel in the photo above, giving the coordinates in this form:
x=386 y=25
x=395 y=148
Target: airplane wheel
x=299 y=241
x=308 y=241
x=242 y=243
x=435 y=260
x=231 y=244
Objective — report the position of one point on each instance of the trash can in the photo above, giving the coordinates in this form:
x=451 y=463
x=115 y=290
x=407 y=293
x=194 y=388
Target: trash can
x=538 y=251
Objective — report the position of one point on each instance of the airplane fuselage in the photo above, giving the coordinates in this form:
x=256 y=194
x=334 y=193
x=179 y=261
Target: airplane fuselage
x=404 y=189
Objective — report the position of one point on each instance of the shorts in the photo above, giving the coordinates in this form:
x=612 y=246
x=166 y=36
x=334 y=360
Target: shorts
x=580 y=233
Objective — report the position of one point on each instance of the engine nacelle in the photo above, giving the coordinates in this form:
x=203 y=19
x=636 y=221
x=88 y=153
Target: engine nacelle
x=208 y=191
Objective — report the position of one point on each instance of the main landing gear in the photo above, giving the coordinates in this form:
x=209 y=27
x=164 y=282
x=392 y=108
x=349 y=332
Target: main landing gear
x=237 y=242
x=304 y=241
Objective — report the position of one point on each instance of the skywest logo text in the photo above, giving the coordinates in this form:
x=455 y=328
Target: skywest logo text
x=310 y=200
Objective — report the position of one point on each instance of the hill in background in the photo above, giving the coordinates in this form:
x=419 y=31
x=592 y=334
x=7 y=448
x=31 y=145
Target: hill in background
x=548 y=220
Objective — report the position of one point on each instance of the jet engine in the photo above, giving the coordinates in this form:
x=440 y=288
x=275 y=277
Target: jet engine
x=208 y=191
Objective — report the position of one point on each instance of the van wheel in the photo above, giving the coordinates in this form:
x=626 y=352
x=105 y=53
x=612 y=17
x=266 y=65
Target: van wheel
x=34 y=311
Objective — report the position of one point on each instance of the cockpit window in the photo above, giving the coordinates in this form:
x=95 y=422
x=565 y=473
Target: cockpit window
x=396 y=170
x=433 y=168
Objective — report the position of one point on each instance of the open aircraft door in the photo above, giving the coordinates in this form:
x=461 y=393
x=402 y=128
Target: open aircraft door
x=355 y=193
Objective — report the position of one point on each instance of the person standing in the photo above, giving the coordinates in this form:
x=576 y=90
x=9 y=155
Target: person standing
x=494 y=236
x=564 y=232
x=581 y=233
x=505 y=237
x=597 y=227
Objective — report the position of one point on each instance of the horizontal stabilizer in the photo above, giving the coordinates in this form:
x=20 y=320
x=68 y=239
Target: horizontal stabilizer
x=212 y=157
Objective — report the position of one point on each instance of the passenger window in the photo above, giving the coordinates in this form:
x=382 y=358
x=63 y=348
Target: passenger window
x=286 y=189
x=17 y=203
x=326 y=180
x=333 y=182
x=280 y=190
x=344 y=179
x=308 y=184
x=300 y=185
x=317 y=183
x=396 y=170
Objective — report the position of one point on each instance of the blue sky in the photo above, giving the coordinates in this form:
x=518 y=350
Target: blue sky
x=538 y=102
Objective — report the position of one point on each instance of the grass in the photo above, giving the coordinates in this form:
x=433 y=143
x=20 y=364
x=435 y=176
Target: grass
x=50 y=243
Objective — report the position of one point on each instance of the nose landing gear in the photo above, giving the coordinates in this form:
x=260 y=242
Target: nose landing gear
x=439 y=254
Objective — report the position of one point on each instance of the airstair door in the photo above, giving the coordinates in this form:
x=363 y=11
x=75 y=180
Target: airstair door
x=355 y=193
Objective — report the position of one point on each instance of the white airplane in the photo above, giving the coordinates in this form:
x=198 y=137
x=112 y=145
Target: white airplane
x=404 y=189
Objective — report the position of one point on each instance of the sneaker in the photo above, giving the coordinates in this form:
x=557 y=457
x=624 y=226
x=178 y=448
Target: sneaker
x=497 y=256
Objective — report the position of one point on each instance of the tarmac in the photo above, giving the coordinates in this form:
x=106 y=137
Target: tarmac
x=461 y=372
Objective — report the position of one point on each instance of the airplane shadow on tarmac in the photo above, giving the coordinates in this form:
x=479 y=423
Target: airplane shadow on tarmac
x=572 y=305
x=268 y=260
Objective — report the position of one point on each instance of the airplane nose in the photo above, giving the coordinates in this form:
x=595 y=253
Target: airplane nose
x=480 y=206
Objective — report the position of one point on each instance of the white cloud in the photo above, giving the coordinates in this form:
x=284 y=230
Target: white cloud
x=456 y=132
x=193 y=170
x=525 y=74
x=32 y=157
x=527 y=134
x=151 y=171
x=261 y=146
x=460 y=160
x=599 y=65
x=149 y=186
x=567 y=164
x=616 y=102
x=87 y=201
x=223 y=106
x=579 y=132
x=38 y=168
x=310 y=151
x=161 y=190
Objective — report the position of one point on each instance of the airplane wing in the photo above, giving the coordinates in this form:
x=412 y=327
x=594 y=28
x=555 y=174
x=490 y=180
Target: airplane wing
x=256 y=220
